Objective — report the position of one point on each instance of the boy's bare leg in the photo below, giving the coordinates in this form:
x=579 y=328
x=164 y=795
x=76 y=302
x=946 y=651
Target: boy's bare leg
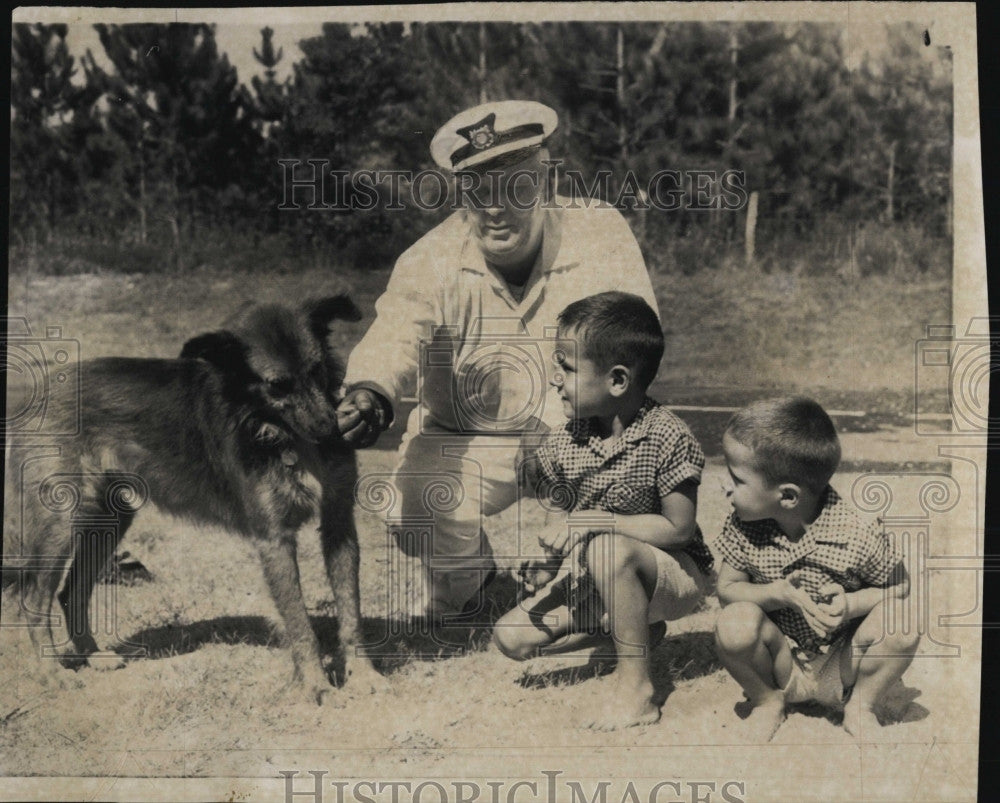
x=877 y=659
x=541 y=624
x=624 y=572
x=753 y=650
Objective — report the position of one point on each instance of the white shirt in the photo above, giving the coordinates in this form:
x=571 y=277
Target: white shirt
x=497 y=349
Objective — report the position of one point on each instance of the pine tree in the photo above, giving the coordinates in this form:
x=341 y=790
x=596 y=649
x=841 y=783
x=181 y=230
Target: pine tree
x=271 y=96
x=902 y=145
x=182 y=118
x=44 y=103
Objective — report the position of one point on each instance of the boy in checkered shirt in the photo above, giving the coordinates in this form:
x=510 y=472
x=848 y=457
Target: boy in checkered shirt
x=623 y=474
x=806 y=585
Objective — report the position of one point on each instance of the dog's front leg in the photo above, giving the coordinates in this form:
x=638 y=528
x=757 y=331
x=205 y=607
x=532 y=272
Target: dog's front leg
x=282 y=574
x=339 y=539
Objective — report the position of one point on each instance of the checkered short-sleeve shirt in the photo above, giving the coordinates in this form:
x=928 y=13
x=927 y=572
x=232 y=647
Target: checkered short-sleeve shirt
x=838 y=547
x=576 y=470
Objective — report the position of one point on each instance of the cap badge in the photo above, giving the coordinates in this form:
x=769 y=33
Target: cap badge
x=480 y=135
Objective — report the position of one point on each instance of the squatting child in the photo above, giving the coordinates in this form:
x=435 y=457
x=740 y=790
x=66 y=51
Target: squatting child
x=623 y=474
x=805 y=584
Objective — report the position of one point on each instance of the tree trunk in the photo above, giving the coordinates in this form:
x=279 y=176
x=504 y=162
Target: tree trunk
x=620 y=96
x=50 y=205
x=890 y=177
x=949 y=210
x=175 y=226
x=641 y=216
x=750 y=233
x=620 y=104
x=175 y=230
x=734 y=49
x=142 y=196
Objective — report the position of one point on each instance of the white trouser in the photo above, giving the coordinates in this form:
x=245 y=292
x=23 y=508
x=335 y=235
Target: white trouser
x=445 y=485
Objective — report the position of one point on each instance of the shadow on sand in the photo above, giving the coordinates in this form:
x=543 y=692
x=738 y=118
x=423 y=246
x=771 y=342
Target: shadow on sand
x=390 y=642
x=683 y=657
x=897 y=706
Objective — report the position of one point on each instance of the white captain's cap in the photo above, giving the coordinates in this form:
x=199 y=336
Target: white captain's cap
x=492 y=130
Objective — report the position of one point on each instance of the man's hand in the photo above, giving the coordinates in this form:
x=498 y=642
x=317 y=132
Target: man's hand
x=821 y=620
x=361 y=417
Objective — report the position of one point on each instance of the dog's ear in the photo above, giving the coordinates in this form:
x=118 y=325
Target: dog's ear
x=223 y=349
x=320 y=312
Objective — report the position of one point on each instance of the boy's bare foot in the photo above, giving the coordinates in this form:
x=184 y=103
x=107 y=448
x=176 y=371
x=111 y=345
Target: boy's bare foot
x=767 y=716
x=624 y=708
x=860 y=721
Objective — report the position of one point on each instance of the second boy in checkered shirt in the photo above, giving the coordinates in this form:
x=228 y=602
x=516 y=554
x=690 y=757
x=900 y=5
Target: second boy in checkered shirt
x=626 y=471
x=807 y=586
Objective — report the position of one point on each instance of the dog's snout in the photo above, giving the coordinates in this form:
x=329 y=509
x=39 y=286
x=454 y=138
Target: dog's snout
x=315 y=414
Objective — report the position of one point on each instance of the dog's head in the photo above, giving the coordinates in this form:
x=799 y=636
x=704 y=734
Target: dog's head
x=277 y=365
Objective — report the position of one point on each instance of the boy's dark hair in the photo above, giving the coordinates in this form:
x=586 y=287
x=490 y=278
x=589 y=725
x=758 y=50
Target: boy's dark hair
x=792 y=439
x=617 y=328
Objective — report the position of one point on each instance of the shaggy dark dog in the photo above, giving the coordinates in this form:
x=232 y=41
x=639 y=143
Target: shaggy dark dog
x=241 y=432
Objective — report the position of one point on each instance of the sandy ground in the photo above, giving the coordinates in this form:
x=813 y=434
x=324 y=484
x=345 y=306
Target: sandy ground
x=210 y=701
x=209 y=707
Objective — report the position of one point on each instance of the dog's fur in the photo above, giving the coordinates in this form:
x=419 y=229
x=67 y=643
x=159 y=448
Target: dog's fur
x=241 y=432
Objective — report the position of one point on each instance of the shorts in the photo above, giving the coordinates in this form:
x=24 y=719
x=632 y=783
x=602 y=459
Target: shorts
x=816 y=676
x=680 y=588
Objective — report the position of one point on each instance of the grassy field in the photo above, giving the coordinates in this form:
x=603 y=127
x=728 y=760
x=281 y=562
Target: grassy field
x=210 y=699
x=725 y=328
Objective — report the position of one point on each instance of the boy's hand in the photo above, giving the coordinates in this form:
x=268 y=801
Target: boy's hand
x=821 y=621
x=555 y=540
x=834 y=602
x=528 y=470
x=560 y=538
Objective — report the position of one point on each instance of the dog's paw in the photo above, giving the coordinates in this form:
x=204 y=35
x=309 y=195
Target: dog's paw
x=72 y=660
x=317 y=694
x=363 y=678
x=314 y=687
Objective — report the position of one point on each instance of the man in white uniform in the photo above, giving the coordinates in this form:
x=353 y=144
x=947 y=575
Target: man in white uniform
x=467 y=320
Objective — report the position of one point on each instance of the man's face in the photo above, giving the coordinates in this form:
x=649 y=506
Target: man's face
x=507 y=215
x=752 y=495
